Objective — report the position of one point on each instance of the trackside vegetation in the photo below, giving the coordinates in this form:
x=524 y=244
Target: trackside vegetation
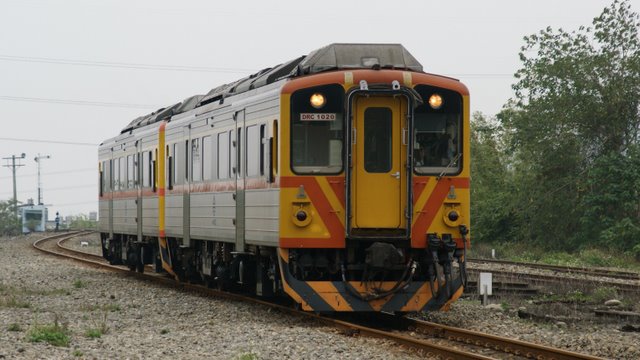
x=559 y=166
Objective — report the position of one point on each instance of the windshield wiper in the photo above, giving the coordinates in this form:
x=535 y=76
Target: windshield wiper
x=453 y=161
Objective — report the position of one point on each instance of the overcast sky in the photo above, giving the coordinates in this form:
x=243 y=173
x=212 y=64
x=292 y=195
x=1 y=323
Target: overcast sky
x=77 y=71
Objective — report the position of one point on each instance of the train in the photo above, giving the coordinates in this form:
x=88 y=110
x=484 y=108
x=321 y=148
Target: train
x=338 y=180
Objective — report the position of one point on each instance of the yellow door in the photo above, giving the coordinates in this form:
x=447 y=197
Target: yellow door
x=378 y=158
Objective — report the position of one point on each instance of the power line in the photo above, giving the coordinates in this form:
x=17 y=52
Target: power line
x=48 y=141
x=175 y=67
x=55 y=173
x=63 y=188
x=77 y=102
x=123 y=65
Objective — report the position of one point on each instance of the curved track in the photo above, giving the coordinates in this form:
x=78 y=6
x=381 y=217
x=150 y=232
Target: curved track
x=468 y=343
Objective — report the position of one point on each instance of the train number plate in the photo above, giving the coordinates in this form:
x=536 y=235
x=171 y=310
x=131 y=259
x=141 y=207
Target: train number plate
x=317 y=117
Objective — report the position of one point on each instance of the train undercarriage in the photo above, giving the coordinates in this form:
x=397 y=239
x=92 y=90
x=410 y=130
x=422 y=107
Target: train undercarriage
x=365 y=272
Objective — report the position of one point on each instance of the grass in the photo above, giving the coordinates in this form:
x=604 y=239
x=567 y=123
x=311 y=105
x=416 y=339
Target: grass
x=55 y=335
x=93 y=333
x=79 y=284
x=14 y=327
x=100 y=326
x=77 y=353
x=247 y=356
x=12 y=302
x=524 y=252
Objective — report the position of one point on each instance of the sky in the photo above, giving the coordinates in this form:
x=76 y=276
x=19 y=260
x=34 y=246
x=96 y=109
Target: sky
x=75 y=72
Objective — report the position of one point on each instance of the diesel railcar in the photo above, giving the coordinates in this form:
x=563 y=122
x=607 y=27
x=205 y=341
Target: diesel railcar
x=339 y=179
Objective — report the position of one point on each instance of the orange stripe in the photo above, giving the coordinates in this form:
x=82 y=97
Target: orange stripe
x=325 y=211
x=328 y=292
x=425 y=218
x=419 y=184
x=337 y=185
x=419 y=299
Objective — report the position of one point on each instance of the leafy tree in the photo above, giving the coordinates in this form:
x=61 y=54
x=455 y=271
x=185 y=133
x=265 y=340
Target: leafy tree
x=573 y=124
x=491 y=212
x=9 y=223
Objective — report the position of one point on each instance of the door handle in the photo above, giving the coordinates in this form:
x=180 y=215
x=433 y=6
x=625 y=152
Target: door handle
x=396 y=175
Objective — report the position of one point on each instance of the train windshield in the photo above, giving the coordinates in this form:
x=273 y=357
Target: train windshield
x=437 y=144
x=317 y=133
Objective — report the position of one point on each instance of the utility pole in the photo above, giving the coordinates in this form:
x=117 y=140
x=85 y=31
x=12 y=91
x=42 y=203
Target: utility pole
x=14 y=166
x=38 y=159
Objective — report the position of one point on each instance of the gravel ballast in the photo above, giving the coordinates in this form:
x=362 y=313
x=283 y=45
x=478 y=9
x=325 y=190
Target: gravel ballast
x=147 y=321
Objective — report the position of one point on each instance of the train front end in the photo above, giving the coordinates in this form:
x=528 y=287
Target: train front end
x=374 y=180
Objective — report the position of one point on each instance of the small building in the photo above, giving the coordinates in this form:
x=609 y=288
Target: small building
x=33 y=218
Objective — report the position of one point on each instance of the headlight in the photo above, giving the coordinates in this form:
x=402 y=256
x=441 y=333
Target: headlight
x=317 y=100
x=435 y=101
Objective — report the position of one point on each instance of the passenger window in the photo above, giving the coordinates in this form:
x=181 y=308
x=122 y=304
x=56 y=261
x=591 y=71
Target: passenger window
x=239 y=152
x=196 y=160
x=253 y=150
x=130 y=172
x=223 y=155
x=123 y=173
x=263 y=143
x=232 y=153
x=146 y=170
x=116 y=175
x=207 y=151
x=176 y=164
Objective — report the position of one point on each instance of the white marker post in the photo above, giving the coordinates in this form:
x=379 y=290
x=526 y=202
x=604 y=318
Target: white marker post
x=485 y=286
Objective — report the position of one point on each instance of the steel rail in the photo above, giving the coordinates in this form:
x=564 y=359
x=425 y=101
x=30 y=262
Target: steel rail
x=620 y=274
x=554 y=279
x=427 y=347
x=498 y=343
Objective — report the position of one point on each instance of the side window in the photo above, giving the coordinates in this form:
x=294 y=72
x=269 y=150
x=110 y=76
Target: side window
x=102 y=178
x=146 y=159
x=263 y=144
x=253 y=150
x=123 y=173
x=116 y=175
x=130 y=172
x=207 y=151
x=196 y=160
x=239 y=152
x=176 y=164
x=223 y=155
x=232 y=153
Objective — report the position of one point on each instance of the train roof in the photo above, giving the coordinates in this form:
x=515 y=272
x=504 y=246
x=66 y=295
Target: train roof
x=328 y=58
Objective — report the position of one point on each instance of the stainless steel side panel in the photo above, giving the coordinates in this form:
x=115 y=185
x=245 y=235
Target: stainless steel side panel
x=150 y=216
x=124 y=216
x=261 y=216
x=174 y=215
x=212 y=216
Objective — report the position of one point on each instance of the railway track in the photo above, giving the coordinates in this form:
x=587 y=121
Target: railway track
x=616 y=274
x=543 y=279
x=421 y=335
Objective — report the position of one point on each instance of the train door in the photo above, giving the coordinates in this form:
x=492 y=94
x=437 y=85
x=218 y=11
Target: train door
x=137 y=180
x=111 y=187
x=239 y=173
x=378 y=189
x=186 y=189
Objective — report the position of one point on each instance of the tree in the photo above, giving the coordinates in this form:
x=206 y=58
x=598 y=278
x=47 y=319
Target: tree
x=491 y=211
x=9 y=223
x=575 y=113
